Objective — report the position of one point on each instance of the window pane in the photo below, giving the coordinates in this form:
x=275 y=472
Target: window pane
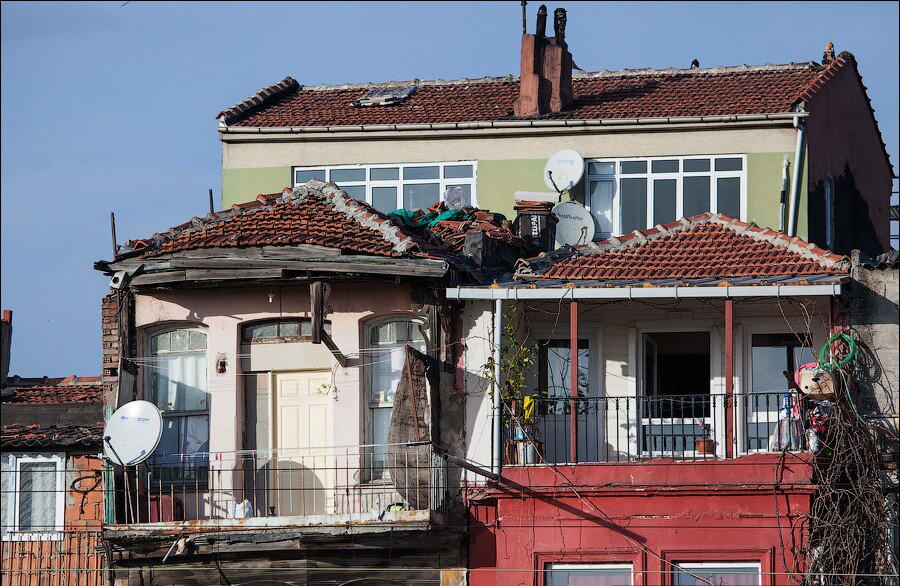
x=179 y=340
x=288 y=329
x=198 y=340
x=381 y=422
x=457 y=171
x=631 y=167
x=421 y=172
x=37 y=496
x=588 y=575
x=387 y=333
x=355 y=191
x=420 y=196
x=178 y=382
x=160 y=342
x=384 y=199
x=553 y=367
x=664 y=200
x=728 y=196
x=726 y=575
x=384 y=173
x=387 y=364
x=7 y=492
x=465 y=194
x=601 y=202
x=634 y=205
x=730 y=164
x=262 y=331
x=196 y=435
x=601 y=168
x=667 y=166
x=696 y=165
x=695 y=195
x=348 y=175
x=304 y=175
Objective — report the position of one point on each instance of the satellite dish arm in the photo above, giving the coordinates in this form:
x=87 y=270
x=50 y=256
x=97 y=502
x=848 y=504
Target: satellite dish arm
x=116 y=454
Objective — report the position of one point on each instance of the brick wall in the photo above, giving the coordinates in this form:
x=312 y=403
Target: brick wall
x=111 y=346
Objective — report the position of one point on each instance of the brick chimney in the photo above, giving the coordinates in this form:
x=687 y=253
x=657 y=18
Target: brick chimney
x=545 y=84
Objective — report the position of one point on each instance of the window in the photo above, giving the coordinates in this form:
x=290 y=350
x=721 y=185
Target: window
x=33 y=496
x=829 y=212
x=291 y=330
x=635 y=194
x=588 y=575
x=554 y=358
x=390 y=187
x=770 y=356
x=718 y=573
x=555 y=382
x=177 y=385
x=386 y=356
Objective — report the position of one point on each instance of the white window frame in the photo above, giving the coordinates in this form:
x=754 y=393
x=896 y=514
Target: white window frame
x=554 y=567
x=399 y=182
x=701 y=566
x=19 y=458
x=617 y=176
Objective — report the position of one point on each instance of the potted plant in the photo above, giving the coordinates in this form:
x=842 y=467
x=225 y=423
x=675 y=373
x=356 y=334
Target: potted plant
x=704 y=445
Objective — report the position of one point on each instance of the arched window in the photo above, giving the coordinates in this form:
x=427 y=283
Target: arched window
x=385 y=357
x=176 y=383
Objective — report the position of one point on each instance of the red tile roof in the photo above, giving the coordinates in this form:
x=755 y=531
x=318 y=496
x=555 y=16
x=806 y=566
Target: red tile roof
x=41 y=435
x=317 y=213
x=704 y=246
x=626 y=94
x=53 y=394
x=66 y=412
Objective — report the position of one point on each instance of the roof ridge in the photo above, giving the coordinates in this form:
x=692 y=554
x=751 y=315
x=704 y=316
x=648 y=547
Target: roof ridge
x=259 y=98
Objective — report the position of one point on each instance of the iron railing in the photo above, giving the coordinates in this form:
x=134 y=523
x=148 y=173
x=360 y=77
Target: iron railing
x=66 y=558
x=362 y=484
x=628 y=429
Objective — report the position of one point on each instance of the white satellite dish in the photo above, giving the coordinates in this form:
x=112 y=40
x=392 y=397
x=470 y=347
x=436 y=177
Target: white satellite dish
x=575 y=224
x=132 y=433
x=563 y=170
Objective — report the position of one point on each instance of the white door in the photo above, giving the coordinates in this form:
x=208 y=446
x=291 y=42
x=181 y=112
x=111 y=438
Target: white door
x=304 y=481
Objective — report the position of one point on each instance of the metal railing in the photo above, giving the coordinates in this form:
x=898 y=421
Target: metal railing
x=362 y=484
x=630 y=429
x=70 y=558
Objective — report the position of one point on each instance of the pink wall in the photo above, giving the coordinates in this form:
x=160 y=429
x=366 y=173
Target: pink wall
x=669 y=511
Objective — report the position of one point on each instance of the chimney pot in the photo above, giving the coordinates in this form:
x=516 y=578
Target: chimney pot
x=541 y=29
x=559 y=25
x=828 y=55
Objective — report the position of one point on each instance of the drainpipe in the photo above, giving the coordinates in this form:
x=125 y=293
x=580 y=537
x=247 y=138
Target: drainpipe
x=785 y=183
x=794 y=204
x=498 y=415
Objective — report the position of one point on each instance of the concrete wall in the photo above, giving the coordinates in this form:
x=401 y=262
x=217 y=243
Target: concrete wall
x=507 y=161
x=844 y=143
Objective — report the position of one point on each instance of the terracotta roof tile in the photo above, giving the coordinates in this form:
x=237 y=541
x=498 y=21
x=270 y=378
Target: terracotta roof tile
x=38 y=435
x=316 y=213
x=52 y=394
x=705 y=246
x=623 y=94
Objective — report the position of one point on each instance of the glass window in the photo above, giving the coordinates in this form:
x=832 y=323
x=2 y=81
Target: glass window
x=589 y=575
x=633 y=211
x=696 y=165
x=178 y=386
x=720 y=574
x=602 y=168
x=553 y=367
x=695 y=196
x=601 y=201
x=384 y=173
x=728 y=196
x=665 y=166
x=633 y=167
x=306 y=175
x=772 y=354
x=457 y=171
x=417 y=196
x=384 y=199
x=348 y=175
x=729 y=164
x=665 y=195
x=355 y=191
x=279 y=331
x=465 y=191
x=386 y=357
x=32 y=489
x=421 y=172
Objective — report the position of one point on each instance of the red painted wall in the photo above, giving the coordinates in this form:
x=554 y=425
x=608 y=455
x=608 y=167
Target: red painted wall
x=646 y=514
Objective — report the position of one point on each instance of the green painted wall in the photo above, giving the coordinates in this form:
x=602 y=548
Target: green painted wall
x=764 y=190
x=498 y=181
x=242 y=185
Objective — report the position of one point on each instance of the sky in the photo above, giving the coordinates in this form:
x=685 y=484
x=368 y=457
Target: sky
x=111 y=107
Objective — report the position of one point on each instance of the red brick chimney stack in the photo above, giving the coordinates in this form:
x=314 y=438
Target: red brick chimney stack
x=545 y=84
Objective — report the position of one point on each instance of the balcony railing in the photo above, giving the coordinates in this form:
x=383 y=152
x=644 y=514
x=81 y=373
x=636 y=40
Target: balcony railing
x=630 y=429
x=70 y=558
x=322 y=486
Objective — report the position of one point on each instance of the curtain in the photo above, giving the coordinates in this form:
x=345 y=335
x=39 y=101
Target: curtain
x=7 y=493
x=37 y=496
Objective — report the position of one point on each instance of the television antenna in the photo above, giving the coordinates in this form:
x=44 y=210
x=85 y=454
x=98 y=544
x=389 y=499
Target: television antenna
x=563 y=170
x=132 y=433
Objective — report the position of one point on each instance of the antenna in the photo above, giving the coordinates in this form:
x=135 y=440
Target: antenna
x=524 y=28
x=563 y=170
x=212 y=208
x=132 y=433
x=112 y=227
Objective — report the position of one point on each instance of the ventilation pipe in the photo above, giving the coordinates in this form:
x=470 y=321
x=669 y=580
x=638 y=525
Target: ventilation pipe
x=497 y=403
x=794 y=204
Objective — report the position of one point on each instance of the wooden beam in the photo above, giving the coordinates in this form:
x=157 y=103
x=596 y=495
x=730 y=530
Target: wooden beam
x=317 y=310
x=338 y=355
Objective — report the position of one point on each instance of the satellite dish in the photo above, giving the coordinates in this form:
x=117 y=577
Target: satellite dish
x=132 y=433
x=563 y=170
x=575 y=224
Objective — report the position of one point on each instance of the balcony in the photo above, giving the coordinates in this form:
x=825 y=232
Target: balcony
x=375 y=486
x=635 y=429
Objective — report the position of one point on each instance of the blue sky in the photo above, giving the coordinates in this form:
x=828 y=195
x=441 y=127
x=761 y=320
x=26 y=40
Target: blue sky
x=111 y=108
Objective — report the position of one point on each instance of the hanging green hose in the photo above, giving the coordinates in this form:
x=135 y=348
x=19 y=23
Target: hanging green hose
x=830 y=362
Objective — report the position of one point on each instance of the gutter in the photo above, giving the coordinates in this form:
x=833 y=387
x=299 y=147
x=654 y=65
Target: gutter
x=799 y=154
x=721 y=292
x=513 y=124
